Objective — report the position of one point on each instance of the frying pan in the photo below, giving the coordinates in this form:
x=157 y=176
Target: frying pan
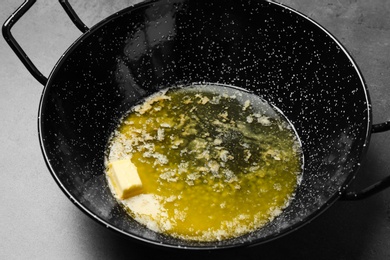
x=263 y=47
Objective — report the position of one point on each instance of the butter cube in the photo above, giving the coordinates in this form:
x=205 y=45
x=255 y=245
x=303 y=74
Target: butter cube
x=124 y=177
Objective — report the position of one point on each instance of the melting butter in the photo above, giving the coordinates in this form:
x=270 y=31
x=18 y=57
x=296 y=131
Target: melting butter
x=215 y=162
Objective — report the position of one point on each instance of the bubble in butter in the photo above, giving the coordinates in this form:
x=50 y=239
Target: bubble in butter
x=215 y=161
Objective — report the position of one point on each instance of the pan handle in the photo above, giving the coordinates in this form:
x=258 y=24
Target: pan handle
x=6 y=30
x=382 y=127
x=73 y=16
x=10 y=22
x=376 y=187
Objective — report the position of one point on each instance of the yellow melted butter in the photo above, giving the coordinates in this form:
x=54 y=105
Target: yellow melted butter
x=215 y=162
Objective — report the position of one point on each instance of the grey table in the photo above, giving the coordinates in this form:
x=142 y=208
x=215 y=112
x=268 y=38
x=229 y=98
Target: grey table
x=37 y=221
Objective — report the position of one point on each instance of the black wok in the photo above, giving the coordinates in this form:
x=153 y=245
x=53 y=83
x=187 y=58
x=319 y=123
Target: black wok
x=261 y=46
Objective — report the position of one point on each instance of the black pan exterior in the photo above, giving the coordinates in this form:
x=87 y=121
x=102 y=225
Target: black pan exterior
x=259 y=46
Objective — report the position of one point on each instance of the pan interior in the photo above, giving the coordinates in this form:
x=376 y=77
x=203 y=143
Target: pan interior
x=262 y=47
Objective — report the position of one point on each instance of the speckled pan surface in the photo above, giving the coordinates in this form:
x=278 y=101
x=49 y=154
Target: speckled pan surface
x=260 y=46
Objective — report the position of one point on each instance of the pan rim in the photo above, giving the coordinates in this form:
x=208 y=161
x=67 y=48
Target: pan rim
x=258 y=241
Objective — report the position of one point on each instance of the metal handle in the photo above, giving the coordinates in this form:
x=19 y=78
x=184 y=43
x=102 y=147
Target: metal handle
x=73 y=16
x=376 y=187
x=10 y=22
x=382 y=127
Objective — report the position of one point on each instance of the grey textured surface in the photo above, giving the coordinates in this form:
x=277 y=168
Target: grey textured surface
x=37 y=221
